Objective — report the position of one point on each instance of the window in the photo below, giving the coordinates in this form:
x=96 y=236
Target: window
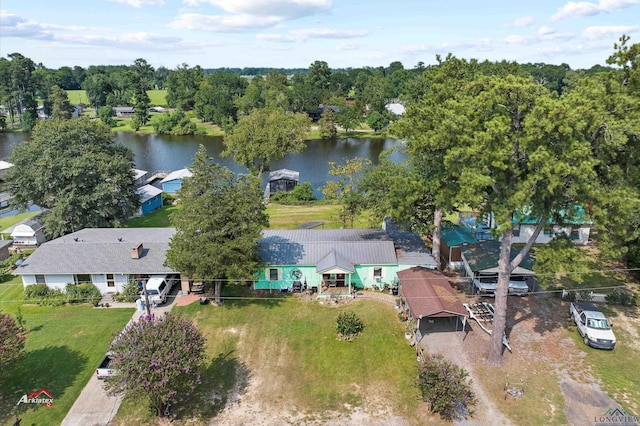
x=516 y=229
x=575 y=233
x=82 y=278
x=40 y=279
x=110 y=281
x=377 y=273
x=273 y=274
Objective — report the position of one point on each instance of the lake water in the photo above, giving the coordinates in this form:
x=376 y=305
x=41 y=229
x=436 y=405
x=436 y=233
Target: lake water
x=167 y=152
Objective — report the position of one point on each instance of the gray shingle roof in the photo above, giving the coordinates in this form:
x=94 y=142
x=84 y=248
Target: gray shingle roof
x=101 y=251
x=310 y=246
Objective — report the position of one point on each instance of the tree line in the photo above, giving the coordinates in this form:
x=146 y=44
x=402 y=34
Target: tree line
x=219 y=95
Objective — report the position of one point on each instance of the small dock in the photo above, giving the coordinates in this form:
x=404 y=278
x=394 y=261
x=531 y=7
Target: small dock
x=157 y=175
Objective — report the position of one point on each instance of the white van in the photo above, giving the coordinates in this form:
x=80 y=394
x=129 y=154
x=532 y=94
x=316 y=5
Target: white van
x=158 y=288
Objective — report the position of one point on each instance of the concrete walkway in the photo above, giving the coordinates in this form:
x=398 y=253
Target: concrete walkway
x=93 y=406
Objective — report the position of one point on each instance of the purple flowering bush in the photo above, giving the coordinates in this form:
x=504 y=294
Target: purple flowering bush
x=157 y=359
x=446 y=387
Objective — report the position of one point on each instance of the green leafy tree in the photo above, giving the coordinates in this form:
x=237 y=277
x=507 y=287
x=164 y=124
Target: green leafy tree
x=157 y=359
x=218 y=226
x=377 y=121
x=557 y=258
x=344 y=190
x=328 y=124
x=265 y=136
x=97 y=85
x=12 y=342
x=75 y=170
x=349 y=325
x=106 y=114
x=182 y=85
x=216 y=97
x=139 y=79
x=58 y=104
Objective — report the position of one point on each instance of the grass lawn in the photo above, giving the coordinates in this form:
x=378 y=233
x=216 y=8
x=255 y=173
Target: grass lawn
x=157 y=219
x=8 y=221
x=64 y=345
x=289 y=347
x=289 y=217
x=280 y=217
x=157 y=97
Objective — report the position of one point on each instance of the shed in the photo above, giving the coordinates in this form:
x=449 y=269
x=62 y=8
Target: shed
x=29 y=232
x=150 y=199
x=173 y=182
x=282 y=180
x=453 y=238
x=428 y=295
x=139 y=176
x=482 y=259
x=124 y=111
x=5 y=166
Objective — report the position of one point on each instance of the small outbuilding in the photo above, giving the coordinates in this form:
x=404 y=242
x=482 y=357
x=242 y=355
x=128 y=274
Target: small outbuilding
x=429 y=299
x=173 y=182
x=453 y=238
x=29 y=232
x=5 y=166
x=124 y=111
x=150 y=199
x=4 y=249
x=282 y=180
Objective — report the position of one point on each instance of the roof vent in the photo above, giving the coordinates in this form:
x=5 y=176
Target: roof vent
x=120 y=239
x=136 y=251
x=75 y=239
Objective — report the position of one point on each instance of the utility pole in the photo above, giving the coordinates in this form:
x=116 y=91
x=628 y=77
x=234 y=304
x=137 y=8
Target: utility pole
x=146 y=297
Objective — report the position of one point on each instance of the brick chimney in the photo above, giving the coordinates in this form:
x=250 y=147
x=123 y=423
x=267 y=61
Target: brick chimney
x=136 y=251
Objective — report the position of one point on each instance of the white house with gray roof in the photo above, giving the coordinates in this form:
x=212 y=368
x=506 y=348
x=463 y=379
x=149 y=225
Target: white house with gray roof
x=107 y=257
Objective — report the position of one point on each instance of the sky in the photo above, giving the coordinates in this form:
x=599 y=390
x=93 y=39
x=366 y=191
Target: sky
x=295 y=33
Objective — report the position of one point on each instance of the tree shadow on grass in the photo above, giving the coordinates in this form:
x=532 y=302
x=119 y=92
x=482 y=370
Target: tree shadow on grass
x=224 y=381
x=53 y=368
x=238 y=296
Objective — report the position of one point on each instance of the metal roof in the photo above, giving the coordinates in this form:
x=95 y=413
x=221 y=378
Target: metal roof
x=484 y=256
x=429 y=294
x=334 y=260
x=457 y=235
x=410 y=249
x=177 y=174
x=147 y=192
x=101 y=251
x=137 y=173
x=310 y=246
x=284 y=174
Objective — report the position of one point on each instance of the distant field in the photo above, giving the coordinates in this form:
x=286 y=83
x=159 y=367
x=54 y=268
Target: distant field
x=157 y=97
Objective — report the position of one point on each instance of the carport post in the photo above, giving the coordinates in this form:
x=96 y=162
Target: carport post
x=146 y=297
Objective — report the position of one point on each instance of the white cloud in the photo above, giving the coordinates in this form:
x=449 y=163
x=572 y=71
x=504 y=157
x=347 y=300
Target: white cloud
x=544 y=30
x=312 y=33
x=141 y=3
x=516 y=39
x=583 y=8
x=16 y=26
x=597 y=32
x=222 y=23
x=348 y=46
x=285 y=9
x=523 y=21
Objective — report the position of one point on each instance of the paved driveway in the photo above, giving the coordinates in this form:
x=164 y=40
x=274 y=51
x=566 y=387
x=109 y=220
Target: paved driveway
x=93 y=406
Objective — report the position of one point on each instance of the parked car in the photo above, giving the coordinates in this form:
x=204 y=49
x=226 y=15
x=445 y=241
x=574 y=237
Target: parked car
x=159 y=287
x=593 y=326
x=485 y=285
x=103 y=371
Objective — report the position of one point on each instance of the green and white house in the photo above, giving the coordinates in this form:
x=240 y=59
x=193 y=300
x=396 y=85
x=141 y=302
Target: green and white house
x=335 y=262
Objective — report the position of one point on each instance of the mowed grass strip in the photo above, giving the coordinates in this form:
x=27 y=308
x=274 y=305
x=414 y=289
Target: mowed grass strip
x=288 y=348
x=64 y=346
x=283 y=216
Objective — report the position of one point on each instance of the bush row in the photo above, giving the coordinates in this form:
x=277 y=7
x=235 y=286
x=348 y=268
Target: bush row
x=80 y=293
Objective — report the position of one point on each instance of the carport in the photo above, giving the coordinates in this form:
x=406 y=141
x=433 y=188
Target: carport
x=428 y=298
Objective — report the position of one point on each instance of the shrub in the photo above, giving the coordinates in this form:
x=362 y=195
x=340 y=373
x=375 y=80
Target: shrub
x=35 y=291
x=83 y=293
x=622 y=298
x=302 y=193
x=349 y=325
x=446 y=388
x=129 y=293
